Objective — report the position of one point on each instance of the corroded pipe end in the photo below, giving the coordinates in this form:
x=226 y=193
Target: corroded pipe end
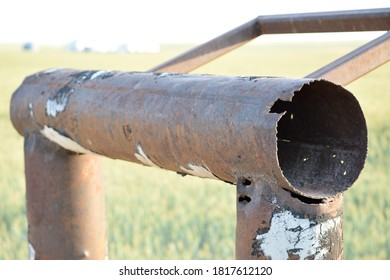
x=321 y=139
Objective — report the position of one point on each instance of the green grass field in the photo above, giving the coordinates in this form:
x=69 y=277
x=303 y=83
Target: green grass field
x=156 y=214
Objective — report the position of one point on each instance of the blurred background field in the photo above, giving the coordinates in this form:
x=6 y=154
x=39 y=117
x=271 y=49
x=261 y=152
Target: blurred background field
x=156 y=214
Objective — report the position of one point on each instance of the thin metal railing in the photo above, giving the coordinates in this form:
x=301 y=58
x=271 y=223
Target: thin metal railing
x=356 y=63
x=342 y=71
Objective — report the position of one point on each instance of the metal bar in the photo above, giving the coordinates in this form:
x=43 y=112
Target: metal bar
x=274 y=224
x=336 y=21
x=209 y=126
x=202 y=54
x=357 y=63
x=342 y=21
x=65 y=202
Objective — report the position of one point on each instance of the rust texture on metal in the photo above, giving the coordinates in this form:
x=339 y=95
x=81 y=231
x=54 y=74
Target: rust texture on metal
x=276 y=224
x=357 y=63
x=296 y=133
x=65 y=202
x=341 y=21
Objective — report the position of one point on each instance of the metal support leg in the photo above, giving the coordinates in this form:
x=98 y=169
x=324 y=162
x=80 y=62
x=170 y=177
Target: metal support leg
x=65 y=202
x=274 y=224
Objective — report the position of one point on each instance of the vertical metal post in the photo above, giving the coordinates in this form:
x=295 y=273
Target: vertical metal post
x=65 y=202
x=276 y=224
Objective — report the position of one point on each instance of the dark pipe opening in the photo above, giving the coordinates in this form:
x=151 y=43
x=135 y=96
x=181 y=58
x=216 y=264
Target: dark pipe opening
x=322 y=139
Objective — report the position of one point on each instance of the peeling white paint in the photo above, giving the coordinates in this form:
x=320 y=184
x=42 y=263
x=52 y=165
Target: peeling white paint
x=63 y=141
x=30 y=108
x=142 y=157
x=300 y=235
x=164 y=74
x=199 y=171
x=51 y=70
x=99 y=74
x=31 y=251
x=53 y=107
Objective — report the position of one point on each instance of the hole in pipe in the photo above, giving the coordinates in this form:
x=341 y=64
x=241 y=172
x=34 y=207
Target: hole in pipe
x=246 y=182
x=327 y=121
x=244 y=199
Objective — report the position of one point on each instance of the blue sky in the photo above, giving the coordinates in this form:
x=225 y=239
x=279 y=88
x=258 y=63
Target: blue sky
x=168 y=21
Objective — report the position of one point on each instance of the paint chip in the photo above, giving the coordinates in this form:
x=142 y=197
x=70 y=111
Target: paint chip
x=51 y=70
x=142 y=157
x=30 y=108
x=290 y=233
x=163 y=74
x=64 y=141
x=306 y=159
x=58 y=103
x=199 y=171
x=98 y=74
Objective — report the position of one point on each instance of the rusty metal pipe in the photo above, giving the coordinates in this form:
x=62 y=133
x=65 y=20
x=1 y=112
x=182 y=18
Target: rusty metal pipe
x=294 y=132
x=273 y=223
x=337 y=21
x=65 y=202
x=292 y=146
